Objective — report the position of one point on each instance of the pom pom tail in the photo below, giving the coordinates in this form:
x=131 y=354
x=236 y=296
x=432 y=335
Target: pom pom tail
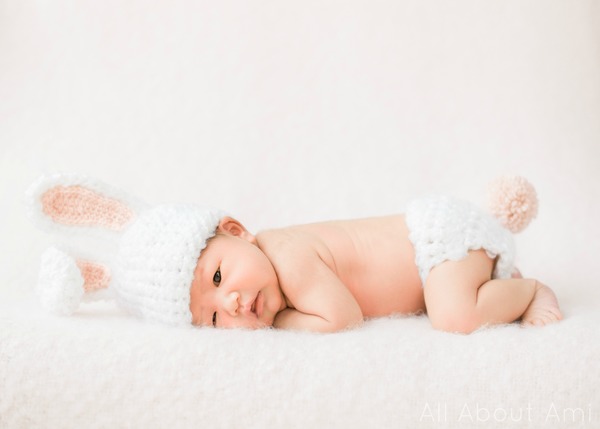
x=513 y=201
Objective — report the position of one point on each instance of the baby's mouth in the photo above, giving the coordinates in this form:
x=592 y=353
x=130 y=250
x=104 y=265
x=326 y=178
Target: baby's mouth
x=255 y=308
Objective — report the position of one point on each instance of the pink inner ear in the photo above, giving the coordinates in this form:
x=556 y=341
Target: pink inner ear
x=95 y=276
x=76 y=205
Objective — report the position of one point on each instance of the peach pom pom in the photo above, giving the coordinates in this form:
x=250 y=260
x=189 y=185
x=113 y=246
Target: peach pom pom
x=513 y=201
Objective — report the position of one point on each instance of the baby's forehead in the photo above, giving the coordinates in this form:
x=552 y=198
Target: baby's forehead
x=213 y=242
x=215 y=247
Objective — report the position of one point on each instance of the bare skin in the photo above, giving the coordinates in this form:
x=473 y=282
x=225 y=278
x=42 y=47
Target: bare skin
x=543 y=309
x=329 y=276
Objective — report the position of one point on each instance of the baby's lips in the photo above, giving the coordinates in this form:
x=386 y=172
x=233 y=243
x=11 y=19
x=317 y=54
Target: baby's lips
x=248 y=307
x=259 y=304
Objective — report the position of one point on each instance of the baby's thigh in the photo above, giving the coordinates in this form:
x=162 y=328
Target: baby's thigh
x=451 y=287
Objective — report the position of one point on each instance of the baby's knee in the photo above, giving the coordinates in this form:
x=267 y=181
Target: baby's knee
x=464 y=323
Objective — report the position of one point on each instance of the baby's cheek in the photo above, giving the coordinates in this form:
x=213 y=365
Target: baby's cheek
x=194 y=308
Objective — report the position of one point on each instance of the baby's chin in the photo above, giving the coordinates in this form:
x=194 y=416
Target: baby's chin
x=260 y=324
x=254 y=324
x=250 y=326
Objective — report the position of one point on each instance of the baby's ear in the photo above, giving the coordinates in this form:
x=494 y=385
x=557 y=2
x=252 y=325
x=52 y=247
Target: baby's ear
x=74 y=202
x=229 y=225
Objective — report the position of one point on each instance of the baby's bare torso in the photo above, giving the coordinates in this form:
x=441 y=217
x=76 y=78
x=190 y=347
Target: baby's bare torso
x=372 y=257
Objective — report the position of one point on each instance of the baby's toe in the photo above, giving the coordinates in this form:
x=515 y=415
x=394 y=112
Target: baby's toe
x=531 y=323
x=557 y=313
x=551 y=317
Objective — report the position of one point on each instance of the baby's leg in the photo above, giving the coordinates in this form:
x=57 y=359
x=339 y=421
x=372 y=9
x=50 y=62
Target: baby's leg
x=461 y=296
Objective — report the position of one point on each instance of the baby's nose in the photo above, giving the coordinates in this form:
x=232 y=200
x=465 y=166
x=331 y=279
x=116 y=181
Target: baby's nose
x=232 y=303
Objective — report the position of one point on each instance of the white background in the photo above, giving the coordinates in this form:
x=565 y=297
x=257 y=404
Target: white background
x=290 y=112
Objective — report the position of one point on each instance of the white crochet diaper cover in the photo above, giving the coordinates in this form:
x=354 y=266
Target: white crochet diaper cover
x=443 y=228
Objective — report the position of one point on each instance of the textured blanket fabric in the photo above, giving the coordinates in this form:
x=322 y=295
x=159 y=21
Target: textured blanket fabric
x=112 y=371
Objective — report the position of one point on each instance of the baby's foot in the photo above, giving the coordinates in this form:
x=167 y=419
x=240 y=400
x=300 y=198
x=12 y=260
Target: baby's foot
x=543 y=308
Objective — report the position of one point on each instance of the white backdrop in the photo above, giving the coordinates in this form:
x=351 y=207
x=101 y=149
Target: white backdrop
x=293 y=112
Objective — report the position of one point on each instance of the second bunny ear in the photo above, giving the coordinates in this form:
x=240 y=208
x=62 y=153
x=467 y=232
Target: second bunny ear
x=73 y=202
x=65 y=281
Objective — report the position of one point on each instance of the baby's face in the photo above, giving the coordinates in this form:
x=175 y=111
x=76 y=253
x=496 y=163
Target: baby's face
x=235 y=285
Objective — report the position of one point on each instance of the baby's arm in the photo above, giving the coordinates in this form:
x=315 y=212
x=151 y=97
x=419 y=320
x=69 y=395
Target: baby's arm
x=322 y=303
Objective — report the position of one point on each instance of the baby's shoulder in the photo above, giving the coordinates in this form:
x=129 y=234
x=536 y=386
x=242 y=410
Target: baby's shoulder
x=293 y=251
x=290 y=241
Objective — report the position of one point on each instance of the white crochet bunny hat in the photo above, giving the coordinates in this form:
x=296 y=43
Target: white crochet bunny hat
x=157 y=252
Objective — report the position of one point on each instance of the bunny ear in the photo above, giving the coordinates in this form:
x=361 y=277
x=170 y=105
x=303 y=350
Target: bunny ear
x=64 y=282
x=95 y=275
x=73 y=202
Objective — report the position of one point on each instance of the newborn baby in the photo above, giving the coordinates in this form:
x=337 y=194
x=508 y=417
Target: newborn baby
x=181 y=264
x=330 y=276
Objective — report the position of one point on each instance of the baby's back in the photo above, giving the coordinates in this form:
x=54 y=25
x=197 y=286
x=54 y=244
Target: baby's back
x=373 y=258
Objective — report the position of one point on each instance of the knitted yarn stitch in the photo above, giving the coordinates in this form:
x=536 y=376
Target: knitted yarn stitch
x=444 y=228
x=156 y=261
x=513 y=201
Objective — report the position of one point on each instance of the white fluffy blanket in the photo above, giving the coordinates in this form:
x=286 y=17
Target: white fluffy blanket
x=112 y=371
